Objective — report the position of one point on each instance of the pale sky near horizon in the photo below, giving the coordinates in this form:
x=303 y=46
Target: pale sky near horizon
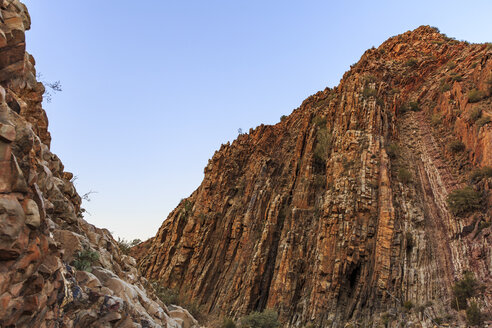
x=152 y=88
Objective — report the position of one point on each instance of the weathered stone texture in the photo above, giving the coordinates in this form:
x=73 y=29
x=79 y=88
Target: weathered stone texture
x=41 y=223
x=313 y=217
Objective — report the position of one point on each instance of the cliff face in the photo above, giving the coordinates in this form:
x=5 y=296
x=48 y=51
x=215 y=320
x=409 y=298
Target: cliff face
x=338 y=213
x=46 y=247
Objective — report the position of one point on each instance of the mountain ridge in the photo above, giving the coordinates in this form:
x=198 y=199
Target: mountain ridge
x=310 y=216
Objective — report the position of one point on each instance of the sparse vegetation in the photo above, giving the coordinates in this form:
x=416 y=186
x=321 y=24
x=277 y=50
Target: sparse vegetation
x=474 y=315
x=475 y=114
x=404 y=175
x=228 y=323
x=475 y=95
x=412 y=106
x=456 y=146
x=323 y=144
x=456 y=78
x=166 y=295
x=409 y=240
x=483 y=121
x=126 y=245
x=369 y=92
x=445 y=87
x=265 y=319
x=412 y=62
x=436 y=120
x=170 y=296
x=51 y=88
x=319 y=121
x=85 y=259
x=463 y=290
x=464 y=201
x=393 y=150
x=451 y=65
x=480 y=173
x=408 y=305
x=283 y=118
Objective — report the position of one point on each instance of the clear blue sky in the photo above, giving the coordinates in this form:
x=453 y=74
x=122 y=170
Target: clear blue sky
x=152 y=88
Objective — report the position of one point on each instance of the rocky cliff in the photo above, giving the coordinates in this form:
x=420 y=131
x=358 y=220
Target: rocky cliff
x=342 y=213
x=56 y=270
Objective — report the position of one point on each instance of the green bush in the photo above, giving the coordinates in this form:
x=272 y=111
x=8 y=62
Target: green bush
x=166 y=295
x=456 y=146
x=404 y=175
x=436 y=120
x=456 y=78
x=473 y=315
x=408 y=305
x=475 y=95
x=412 y=106
x=319 y=121
x=482 y=121
x=393 y=150
x=228 y=323
x=464 y=201
x=451 y=65
x=463 y=290
x=475 y=114
x=283 y=118
x=412 y=62
x=323 y=145
x=265 y=319
x=85 y=259
x=480 y=173
x=126 y=245
x=445 y=87
x=369 y=92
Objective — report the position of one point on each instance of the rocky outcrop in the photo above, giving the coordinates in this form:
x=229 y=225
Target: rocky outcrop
x=338 y=214
x=46 y=247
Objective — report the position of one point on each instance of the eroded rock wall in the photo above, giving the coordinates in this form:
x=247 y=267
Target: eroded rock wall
x=313 y=217
x=42 y=230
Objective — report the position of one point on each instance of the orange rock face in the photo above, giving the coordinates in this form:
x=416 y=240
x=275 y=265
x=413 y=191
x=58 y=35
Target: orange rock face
x=43 y=236
x=338 y=213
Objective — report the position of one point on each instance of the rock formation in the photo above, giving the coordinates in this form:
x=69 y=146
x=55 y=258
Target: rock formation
x=44 y=241
x=338 y=214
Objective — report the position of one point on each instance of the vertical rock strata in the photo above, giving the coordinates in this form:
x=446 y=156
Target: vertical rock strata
x=338 y=213
x=41 y=226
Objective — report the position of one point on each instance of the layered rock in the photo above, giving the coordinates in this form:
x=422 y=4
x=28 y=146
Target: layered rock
x=338 y=213
x=44 y=240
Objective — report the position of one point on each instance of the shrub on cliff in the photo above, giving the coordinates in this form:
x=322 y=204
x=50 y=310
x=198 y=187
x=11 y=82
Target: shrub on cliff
x=482 y=121
x=474 y=315
x=456 y=146
x=480 y=173
x=126 y=245
x=404 y=175
x=85 y=259
x=265 y=319
x=412 y=62
x=393 y=150
x=464 y=201
x=475 y=95
x=228 y=323
x=411 y=106
x=463 y=290
x=323 y=145
x=436 y=120
x=475 y=115
x=369 y=92
x=166 y=295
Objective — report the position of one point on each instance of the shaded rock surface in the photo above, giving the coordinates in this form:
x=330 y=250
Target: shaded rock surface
x=42 y=230
x=338 y=215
